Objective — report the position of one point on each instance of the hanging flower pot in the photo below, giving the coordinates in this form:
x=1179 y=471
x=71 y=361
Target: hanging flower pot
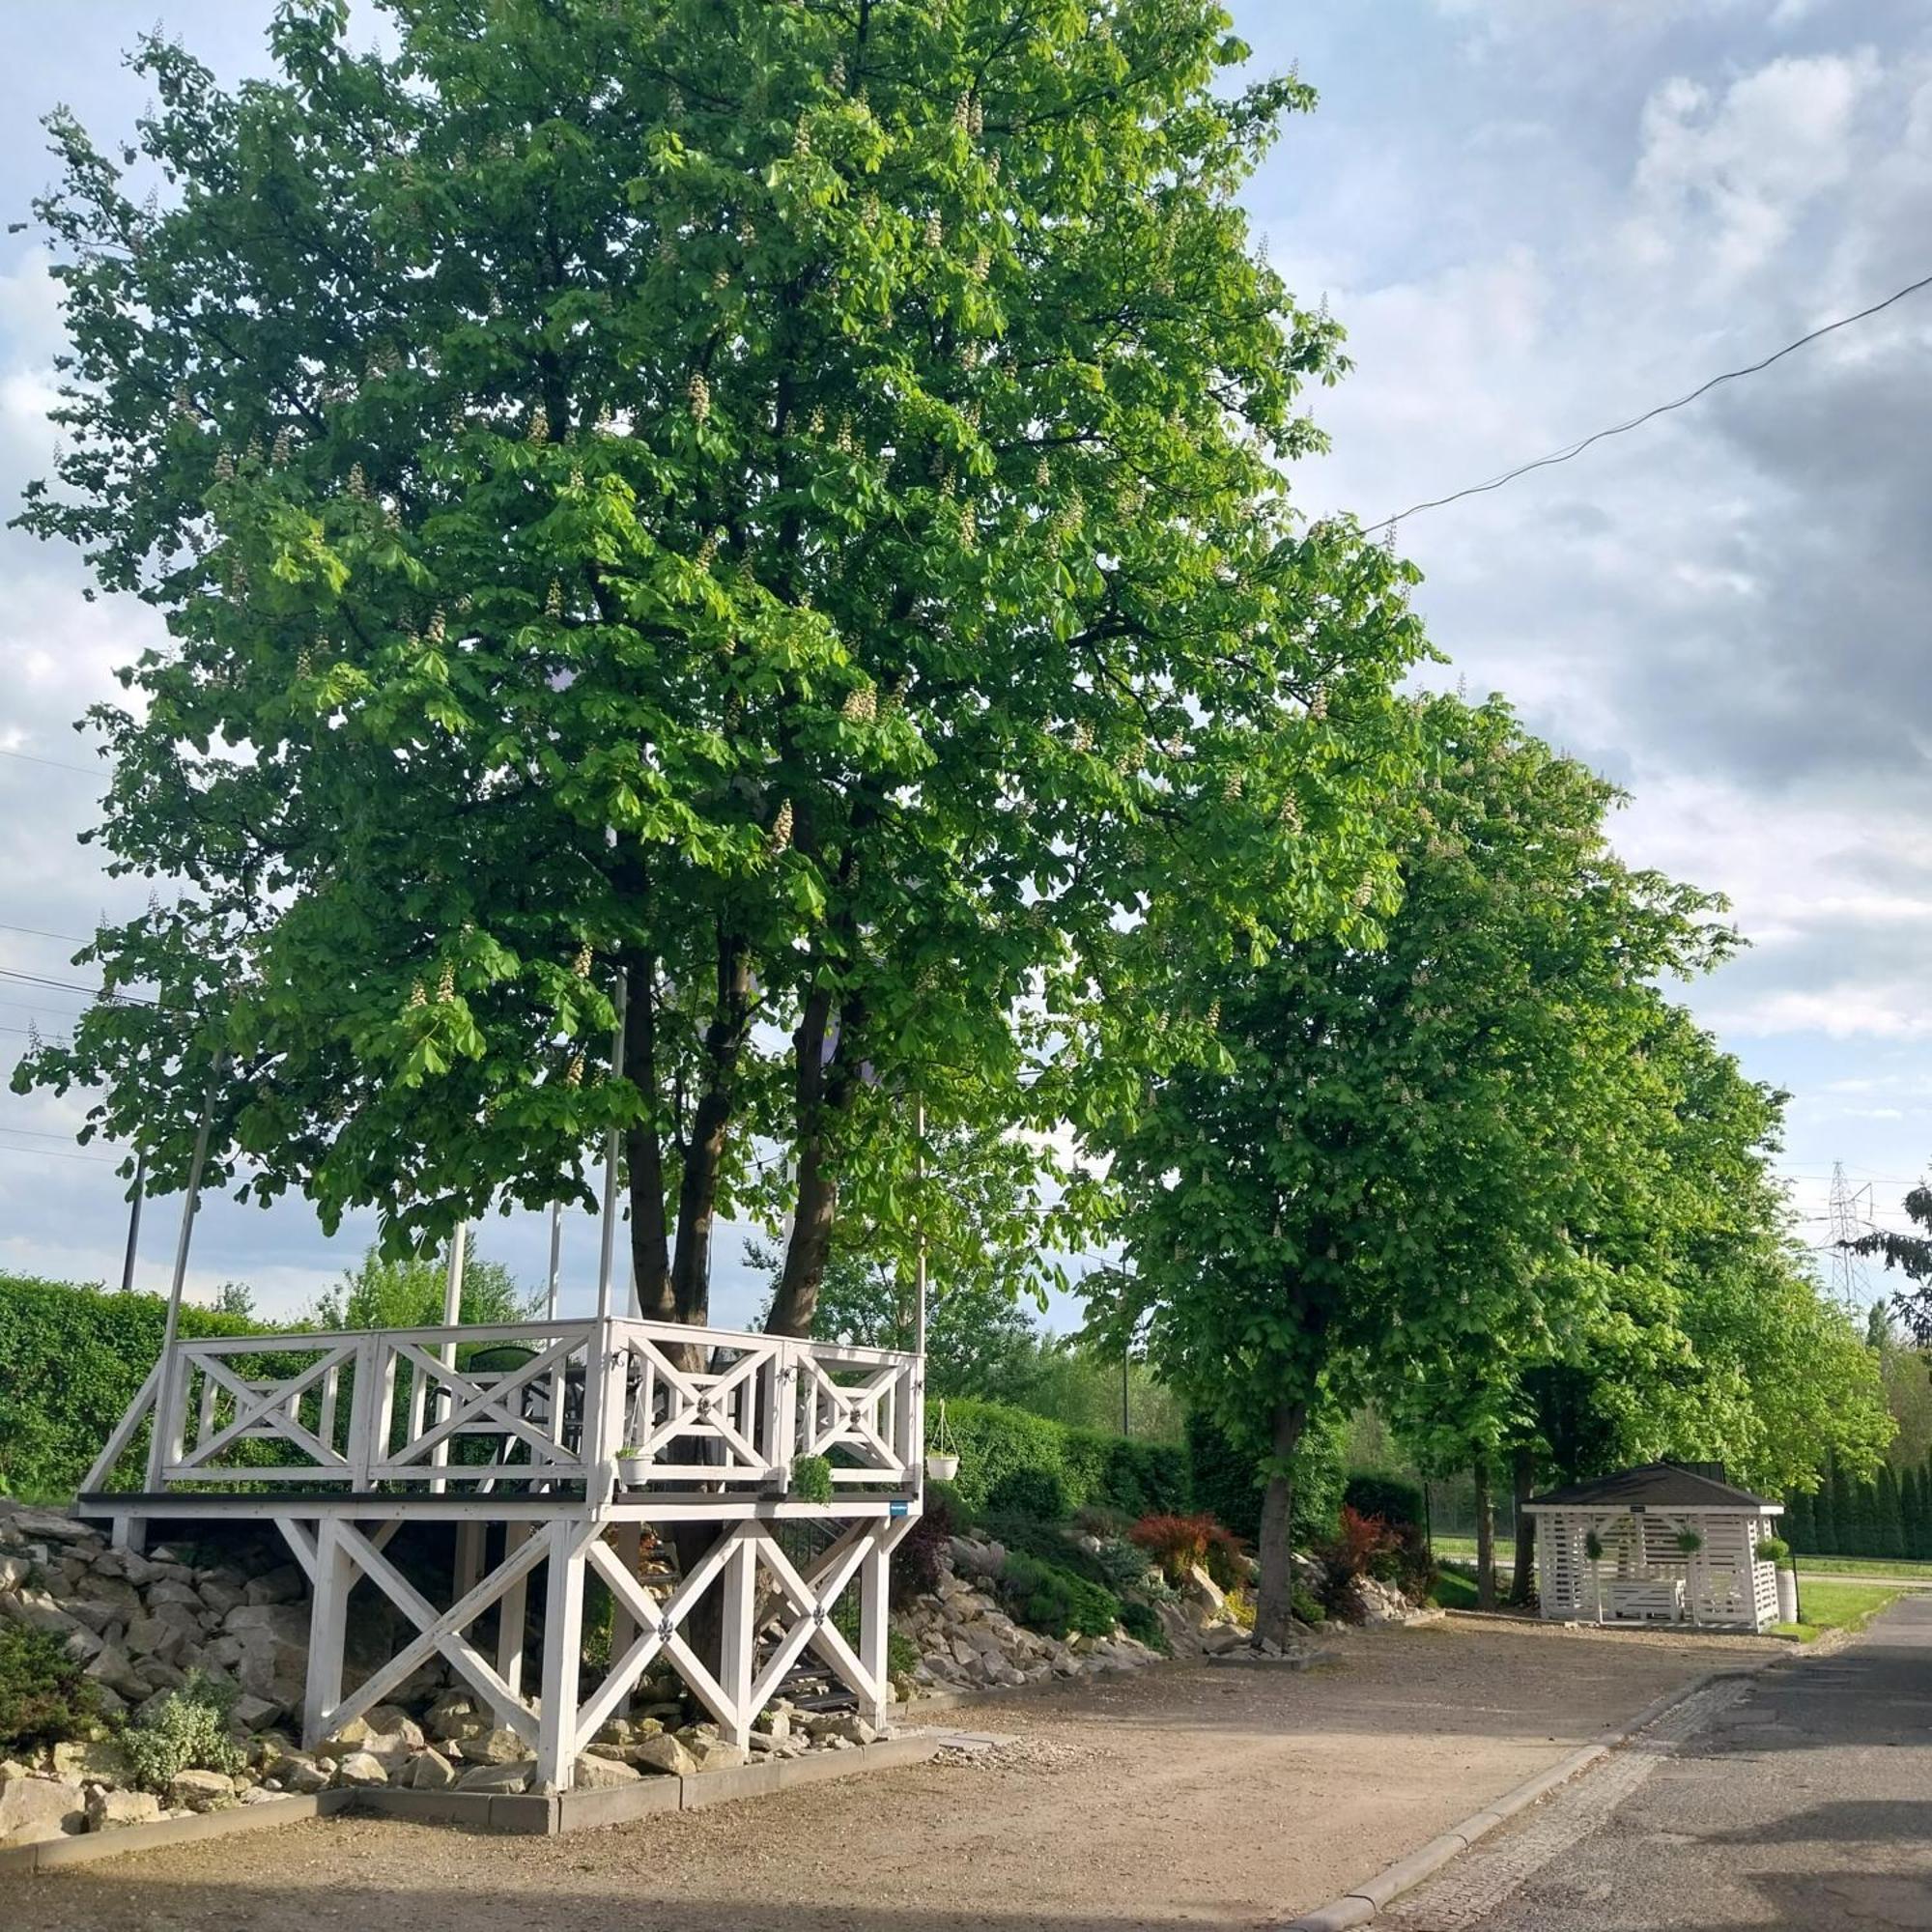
x=633 y=1468
x=942 y=1458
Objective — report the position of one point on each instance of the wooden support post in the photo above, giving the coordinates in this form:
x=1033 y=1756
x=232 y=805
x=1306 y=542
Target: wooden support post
x=624 y=1629
x=513 y=1614
x=469 y=1532
x=564 y=1642
x=874 y=1622
x=327 y=1629
x=738 y=1642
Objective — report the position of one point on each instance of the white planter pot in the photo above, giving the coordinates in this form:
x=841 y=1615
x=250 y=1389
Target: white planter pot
x=1787 y=1596
x=941 y=1465
x=633 y=1471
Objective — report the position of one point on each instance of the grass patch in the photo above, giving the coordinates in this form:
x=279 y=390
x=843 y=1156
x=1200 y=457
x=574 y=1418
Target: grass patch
x=1846 y=1606
x=1865 y=1566
x=1454 y=1591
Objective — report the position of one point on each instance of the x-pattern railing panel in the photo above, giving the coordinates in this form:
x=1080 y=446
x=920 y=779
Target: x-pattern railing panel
x=479 y=1404
x=263 y=1409
x=728 y=1406
x=810 y=1595
x=848 y=1416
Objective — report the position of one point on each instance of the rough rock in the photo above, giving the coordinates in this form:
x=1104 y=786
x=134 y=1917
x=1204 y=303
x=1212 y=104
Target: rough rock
x=359 y=1771
x=109 y=1810
x=431 y=1772
x=501 y=1745
x=601 y=1774
x=102 y=1762
x=715 y=1755
x=201 y=1790
x=511 y=1777
x=281 y=1585
x=32 y=1808
x=299 y=1771
x=847 y=1725
x=663 y=1753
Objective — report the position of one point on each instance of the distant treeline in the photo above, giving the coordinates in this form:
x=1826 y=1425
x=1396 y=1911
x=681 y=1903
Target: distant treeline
x=1890 y=1516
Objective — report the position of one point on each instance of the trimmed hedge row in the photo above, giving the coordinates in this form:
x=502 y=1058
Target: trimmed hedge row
x=71 y=1360
x=1006 y=1446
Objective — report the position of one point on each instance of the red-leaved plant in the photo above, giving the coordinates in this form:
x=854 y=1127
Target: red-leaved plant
x=1178 y=1543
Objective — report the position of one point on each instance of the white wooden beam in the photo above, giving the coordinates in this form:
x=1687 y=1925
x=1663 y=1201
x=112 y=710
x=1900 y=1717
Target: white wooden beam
x=328 y=1627
x=563 y=1648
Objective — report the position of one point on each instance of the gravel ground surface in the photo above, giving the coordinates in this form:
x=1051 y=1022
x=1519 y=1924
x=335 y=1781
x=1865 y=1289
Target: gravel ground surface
x=1184 y=1796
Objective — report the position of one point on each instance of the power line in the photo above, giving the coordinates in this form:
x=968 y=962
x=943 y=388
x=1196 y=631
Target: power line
x=53 y=764
x=41 y=932
x=69 y=986
x=1650 y=415
x=59 y=1154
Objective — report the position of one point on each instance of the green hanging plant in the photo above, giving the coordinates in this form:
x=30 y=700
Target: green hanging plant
x=811 y=1480
x=1593 y=1545
x=1689 y=1542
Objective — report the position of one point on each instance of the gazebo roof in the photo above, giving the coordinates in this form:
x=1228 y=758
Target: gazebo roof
x=1671 y=1485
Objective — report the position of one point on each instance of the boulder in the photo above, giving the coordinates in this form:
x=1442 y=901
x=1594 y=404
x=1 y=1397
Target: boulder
x=223 y=1594
x=1200 y=1591
x=359 y=1771
x=183 y=1595
x=431 y=1772
x=715 y=1755
x=33 y=1808
x=601 y=1774
x=284 y=1622
x=22 y=1524
x=111 y=1811
x=251 y=1713
x=282 y=1585
x=501 y=1745
x=111 y=1665
x=299 y=1771
x=103 y=1762
x=511 y=1777
x=392 y=1721
x=201 y=1790
x=844 y=1725
x=663 y=1753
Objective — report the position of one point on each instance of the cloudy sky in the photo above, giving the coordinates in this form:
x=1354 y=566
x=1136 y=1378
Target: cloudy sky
x=1536 y=220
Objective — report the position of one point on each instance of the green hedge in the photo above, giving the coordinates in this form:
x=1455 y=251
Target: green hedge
x=72 y=1357
x=996 y=1443
x=1226 y=1483
x=1396 y=1499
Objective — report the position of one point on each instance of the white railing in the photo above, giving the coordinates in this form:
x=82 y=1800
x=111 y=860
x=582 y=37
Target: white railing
x=530 y=1404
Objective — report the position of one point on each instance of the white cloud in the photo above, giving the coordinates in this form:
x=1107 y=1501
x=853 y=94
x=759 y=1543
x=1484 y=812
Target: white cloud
x=1725 y=175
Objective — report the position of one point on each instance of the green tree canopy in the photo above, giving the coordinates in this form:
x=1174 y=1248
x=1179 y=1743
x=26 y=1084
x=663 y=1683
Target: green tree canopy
x=781 y=501
x=382 y=1292
x=1401 y=1156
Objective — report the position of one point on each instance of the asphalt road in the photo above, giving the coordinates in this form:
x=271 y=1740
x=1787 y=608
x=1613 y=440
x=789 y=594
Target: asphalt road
x=1802 y=1801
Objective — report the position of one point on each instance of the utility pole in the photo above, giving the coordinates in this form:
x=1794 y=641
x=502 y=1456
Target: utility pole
x=134 y=1220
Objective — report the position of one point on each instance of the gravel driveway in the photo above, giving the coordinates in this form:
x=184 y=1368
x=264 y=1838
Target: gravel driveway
x=1188 y=1795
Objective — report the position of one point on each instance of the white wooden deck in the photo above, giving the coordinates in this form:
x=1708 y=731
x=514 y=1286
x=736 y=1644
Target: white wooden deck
x=513 y=1433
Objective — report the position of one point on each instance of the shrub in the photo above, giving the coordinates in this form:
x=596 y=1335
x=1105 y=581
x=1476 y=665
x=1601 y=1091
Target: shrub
x=1241 y=1606
x=186 y=1731
x=46 y=1696
x=1396 y=1499
x=914 y=1566
x=1226 y=1482
x=1132 y=1477
x=1052 y=1600
x=1775 y=1549
x=1124 y=1566
x=1178 y=1543
x=1305 y=1608
x=1037 y=1490
x=901 y=1653
x=1352 y=1554
x=77 y=1357
x=1141 y=1623
x=811 y=1479
x=1688 y=1541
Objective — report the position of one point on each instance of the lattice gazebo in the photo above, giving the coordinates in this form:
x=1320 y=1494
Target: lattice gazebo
x=1679 y=1543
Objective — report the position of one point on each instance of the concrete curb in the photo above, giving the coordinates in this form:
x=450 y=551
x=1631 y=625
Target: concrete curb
x=1361 y=1904
x=85 y=1847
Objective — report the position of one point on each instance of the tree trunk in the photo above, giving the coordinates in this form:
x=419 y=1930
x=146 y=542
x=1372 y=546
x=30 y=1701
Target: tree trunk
x=1523 y=1474
x=710 y=1130
x=1274 y=1595
x=823 y=1085
x=643 y=1153
x=1486 y=1537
